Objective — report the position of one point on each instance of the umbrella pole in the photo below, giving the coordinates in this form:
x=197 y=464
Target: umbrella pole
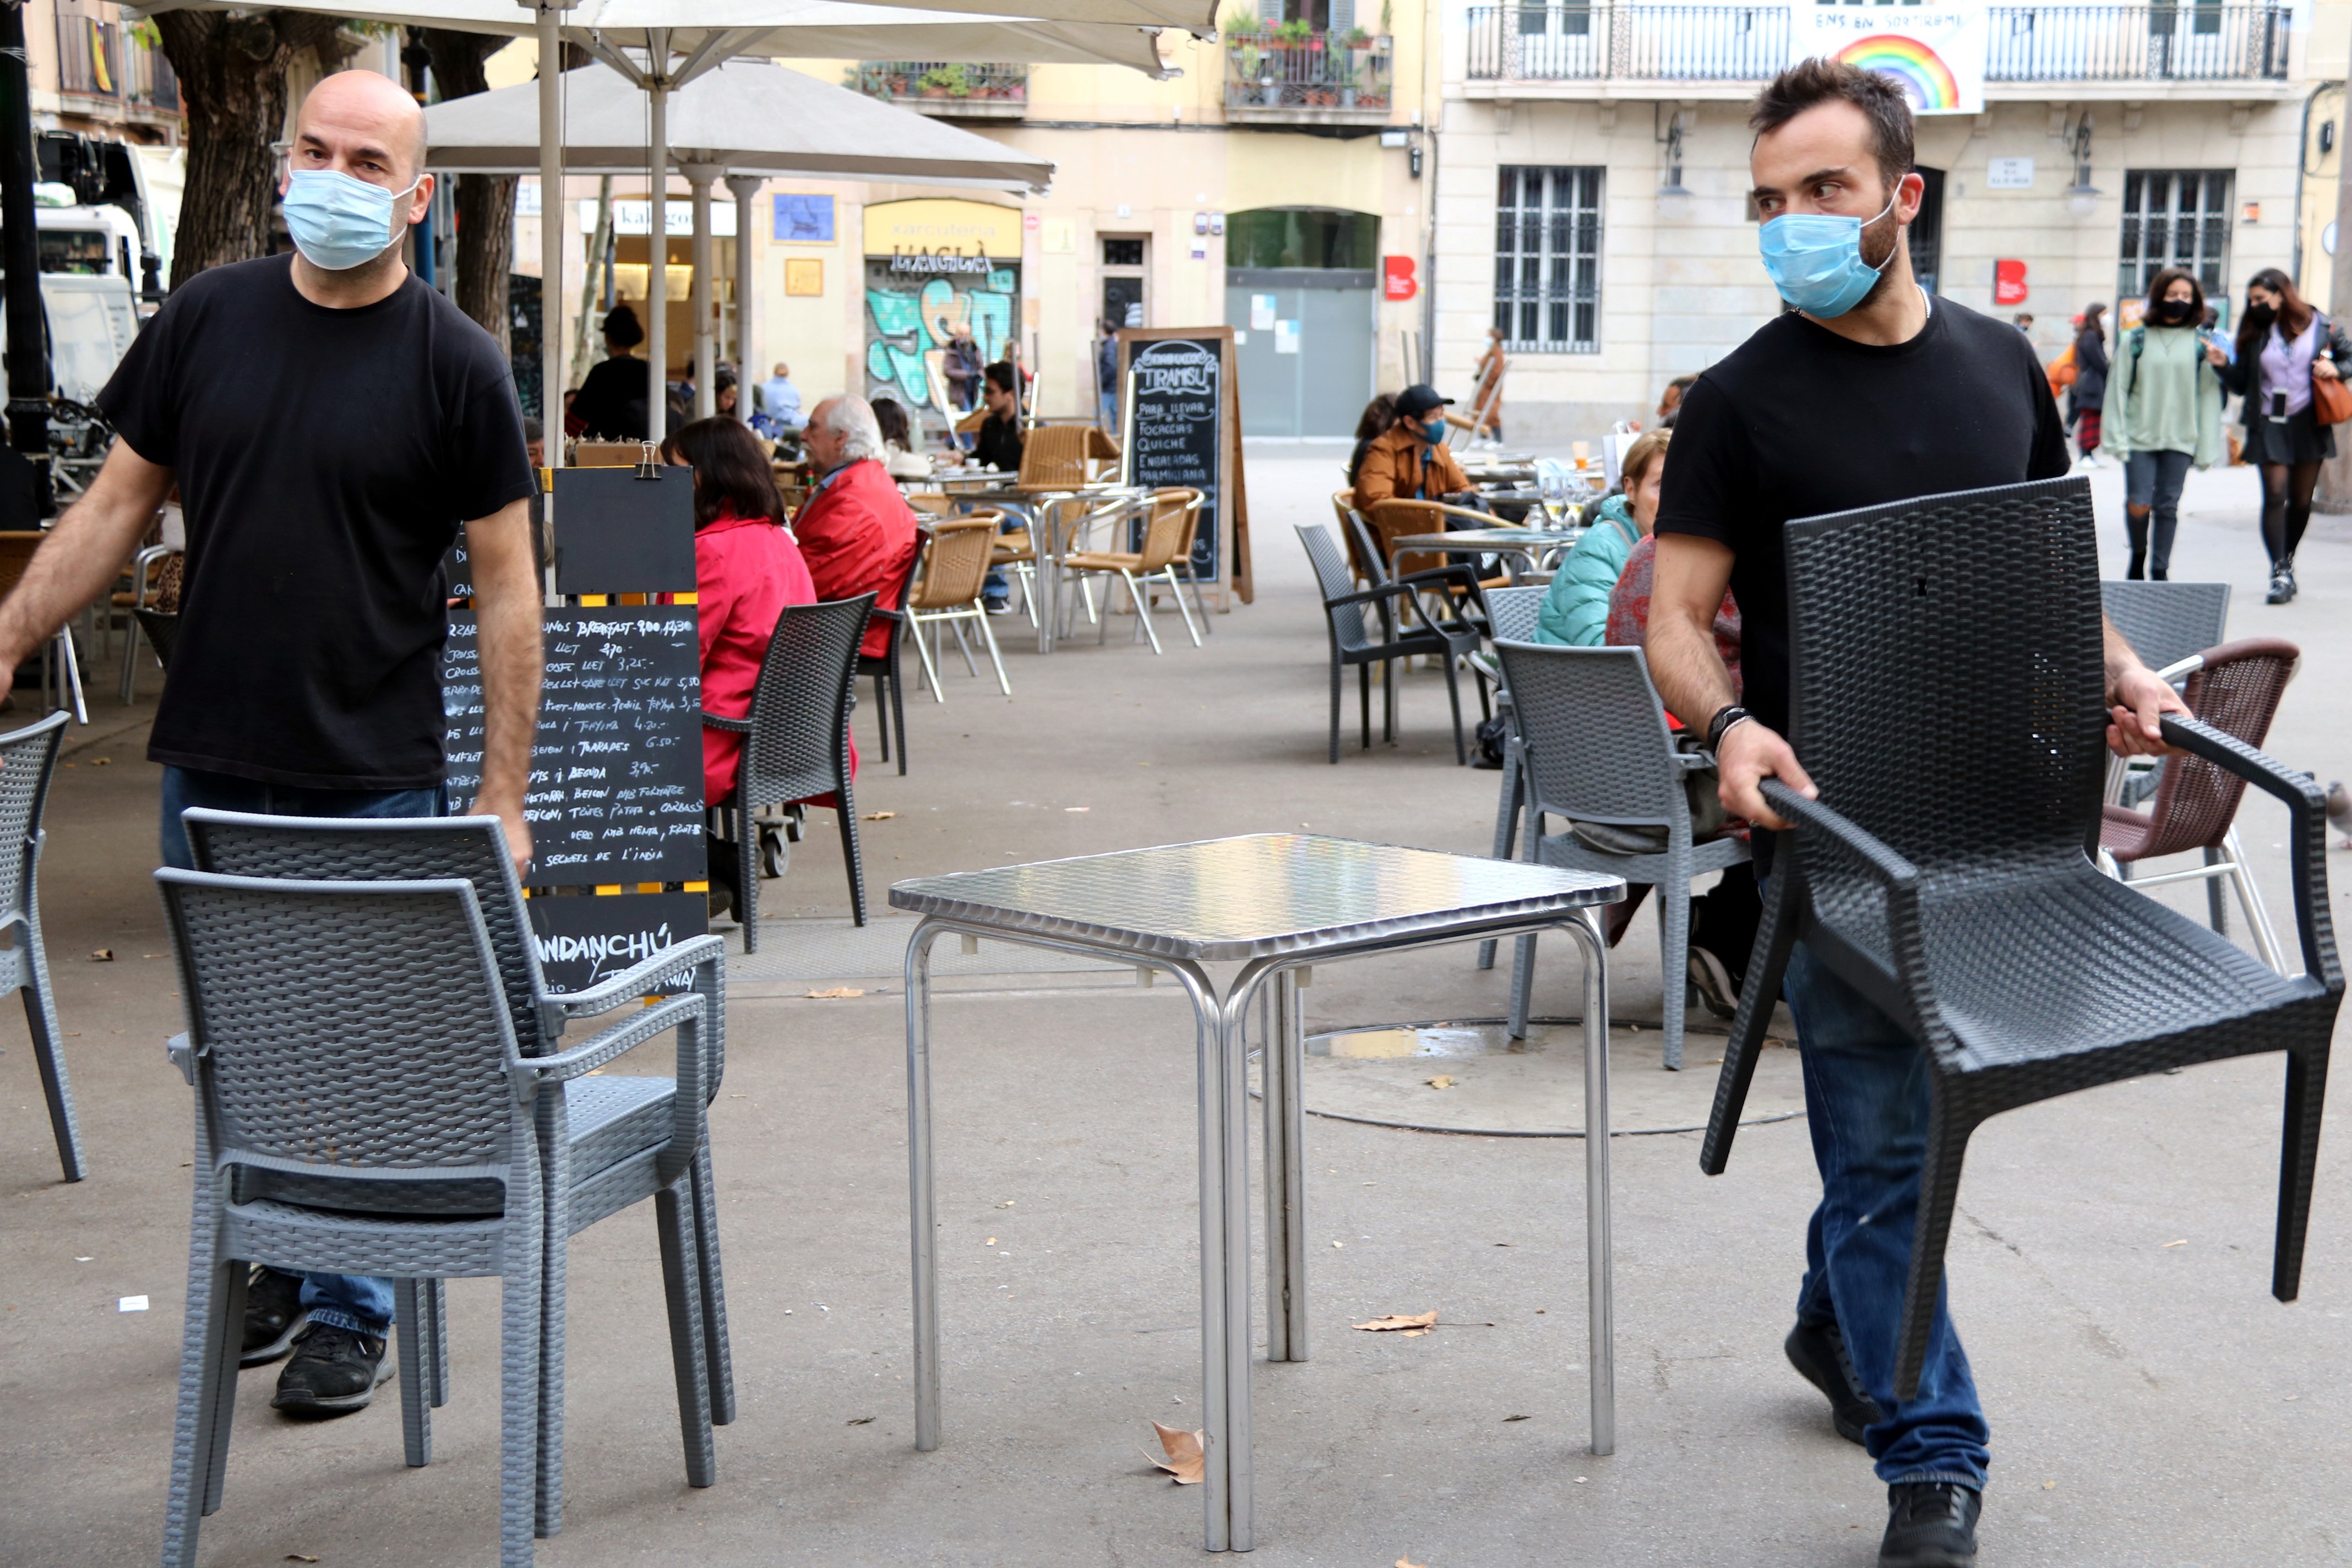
x=746 y=189
x=658 y=243
x=550 y=232
x=705 y=347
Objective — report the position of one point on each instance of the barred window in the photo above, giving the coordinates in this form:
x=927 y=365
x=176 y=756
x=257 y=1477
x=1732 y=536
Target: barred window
x=1547 y=259
x=2175 y=217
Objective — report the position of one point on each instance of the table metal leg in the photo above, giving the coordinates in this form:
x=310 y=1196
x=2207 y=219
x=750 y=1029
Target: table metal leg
x=1598 y=1265
x=1216 y=1429
x=1284 y=1040
x=1233 y=1087
x=921 y=1198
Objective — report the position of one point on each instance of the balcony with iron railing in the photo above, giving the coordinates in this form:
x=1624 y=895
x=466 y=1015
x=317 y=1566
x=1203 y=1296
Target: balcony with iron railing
x=1291 y=75
x=950 y=89
x=1563 y=41
x=104 y=60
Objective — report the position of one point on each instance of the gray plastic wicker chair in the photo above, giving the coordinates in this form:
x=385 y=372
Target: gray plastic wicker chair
x=890 y=693
x=1944 y=872
x=1355 y=642
x=797 y=740
x=364 y=1107
x=603 y=1145
x=28 y=761
x=1511 y=616
x=2167 y=622
x=1594 y=747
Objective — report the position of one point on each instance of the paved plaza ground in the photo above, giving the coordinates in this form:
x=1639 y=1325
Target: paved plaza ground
x=2151 y=1405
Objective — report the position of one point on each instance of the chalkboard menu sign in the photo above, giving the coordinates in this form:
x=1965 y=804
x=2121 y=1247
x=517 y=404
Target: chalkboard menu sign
x=584 y=941
x=615 y=792
x=1175 y=429
x=618 y=533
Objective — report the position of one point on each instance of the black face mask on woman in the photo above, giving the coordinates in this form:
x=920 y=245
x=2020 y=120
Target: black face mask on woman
x=2260 y=316
x=2173 y=312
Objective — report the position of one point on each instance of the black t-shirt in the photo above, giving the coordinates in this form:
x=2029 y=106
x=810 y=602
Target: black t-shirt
x=999 y=443
x=326 y=459
x=1799 y=421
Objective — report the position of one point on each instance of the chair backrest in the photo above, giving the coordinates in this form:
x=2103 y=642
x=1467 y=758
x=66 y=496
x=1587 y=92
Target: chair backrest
x=1512 y=612
x=1054 y=456
x=351 y=1029
x=1192 y=501
x=799 y=743
x=1331 y=575
x=1946 y=682
x=1168 y=527
x=1370 y=564
x=28 y=761
x=1597 y=743
x=2167 y=622
x=955 y=561
x=2237 y=691
x=1397 y=516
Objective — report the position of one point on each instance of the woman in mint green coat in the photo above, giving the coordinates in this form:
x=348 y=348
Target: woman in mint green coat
x=1576 y=612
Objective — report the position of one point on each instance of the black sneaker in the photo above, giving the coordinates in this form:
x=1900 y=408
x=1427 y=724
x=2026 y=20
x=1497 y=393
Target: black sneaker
x=1819 y=1355
x=334 y=1371
x=2281 y=586
x=1930 y=1524
x=273 y=1316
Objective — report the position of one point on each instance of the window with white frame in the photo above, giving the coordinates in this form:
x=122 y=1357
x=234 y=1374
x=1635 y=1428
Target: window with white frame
x=2175 y=217
x=1547 y=259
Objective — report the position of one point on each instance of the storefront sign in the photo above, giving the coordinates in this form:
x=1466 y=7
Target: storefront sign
x=932 y=266
x=1397 y=280
x=2009 y=283
x=677 y=217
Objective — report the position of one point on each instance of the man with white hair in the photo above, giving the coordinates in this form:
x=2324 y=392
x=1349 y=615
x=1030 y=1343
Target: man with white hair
x=306 y=679
x=856 y=533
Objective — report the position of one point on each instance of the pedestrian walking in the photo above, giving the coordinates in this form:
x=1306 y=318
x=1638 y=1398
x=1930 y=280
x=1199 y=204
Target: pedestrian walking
x=1107 y=379
x=2287 y=351
x=2163 y=414
x=1867 y=392
x=2087 y=397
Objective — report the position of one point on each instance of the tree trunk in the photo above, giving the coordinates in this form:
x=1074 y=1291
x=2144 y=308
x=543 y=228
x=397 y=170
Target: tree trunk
x=485 y=203
x=231 y=71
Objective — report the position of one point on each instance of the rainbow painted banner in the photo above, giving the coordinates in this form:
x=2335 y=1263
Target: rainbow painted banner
x=1937 y=50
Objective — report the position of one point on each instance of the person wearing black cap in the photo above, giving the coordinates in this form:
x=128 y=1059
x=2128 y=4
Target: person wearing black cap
x=611 y=403
x=1409 y=461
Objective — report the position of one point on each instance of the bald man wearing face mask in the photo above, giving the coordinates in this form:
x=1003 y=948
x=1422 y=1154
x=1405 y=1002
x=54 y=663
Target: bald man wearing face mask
x=331 y=423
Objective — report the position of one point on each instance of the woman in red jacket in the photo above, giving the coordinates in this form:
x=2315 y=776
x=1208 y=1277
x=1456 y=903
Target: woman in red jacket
x=747 y=568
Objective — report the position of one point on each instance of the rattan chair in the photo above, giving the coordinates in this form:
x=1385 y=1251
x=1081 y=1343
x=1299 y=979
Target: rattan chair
x=1943 y=872
x=1055 y=457
x=1511 y=615
x=364 y=1107
x=1594 y=748
x=797 y=740
x=1355 y=642
x=602 y=1146
x=1168 y=524
x=955 y=568
x=28 y=762
x=2167 y=624
x=2236 y=689
x=1399 y=516
x=889 y=687
x=1195 y=506
x=140 y=603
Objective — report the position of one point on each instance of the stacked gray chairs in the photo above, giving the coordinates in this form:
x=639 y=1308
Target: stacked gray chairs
x=1355 y=641
x=1944 y=873
x=605 y=1143
x=363 y=1106
x=796 y=739
x=1594 y=748
x=2167 y=624
x=1511 y=616
x=28 y=761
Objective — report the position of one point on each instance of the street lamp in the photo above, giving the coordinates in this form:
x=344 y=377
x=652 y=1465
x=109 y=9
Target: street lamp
x=2082 y=196
x=1674 y=196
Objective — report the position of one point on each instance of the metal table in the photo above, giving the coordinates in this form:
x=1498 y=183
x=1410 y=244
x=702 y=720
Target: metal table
x=1273 y=903
x=1532 y=542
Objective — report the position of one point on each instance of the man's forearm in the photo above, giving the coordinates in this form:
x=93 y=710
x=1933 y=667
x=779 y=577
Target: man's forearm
x=506 y=606
x=1686 y=669
x=83 y=552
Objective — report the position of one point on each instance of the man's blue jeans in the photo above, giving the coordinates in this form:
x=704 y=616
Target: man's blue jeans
x=339 y=1300
x=1866 y=1105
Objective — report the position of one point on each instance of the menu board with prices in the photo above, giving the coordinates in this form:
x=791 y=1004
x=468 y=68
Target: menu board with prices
x=616 y=792
x=1181 y=420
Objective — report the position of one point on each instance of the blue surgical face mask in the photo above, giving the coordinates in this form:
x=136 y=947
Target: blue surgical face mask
x=339 y=222
x=1815 y=259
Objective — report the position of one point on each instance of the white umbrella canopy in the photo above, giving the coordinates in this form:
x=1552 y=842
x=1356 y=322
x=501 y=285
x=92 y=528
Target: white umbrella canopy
x=744 y=117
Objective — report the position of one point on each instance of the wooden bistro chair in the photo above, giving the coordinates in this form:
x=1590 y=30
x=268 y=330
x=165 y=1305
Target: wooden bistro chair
x=955 y=566
x=1393 y=518
x=1170 y=520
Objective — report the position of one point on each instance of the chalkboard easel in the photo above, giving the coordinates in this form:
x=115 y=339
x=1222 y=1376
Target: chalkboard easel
x=1181 y=424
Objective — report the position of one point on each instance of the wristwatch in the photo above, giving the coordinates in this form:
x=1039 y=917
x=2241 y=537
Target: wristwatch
x=1720 y=725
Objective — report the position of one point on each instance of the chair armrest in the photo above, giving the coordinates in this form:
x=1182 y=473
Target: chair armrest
x=1440 y=576
x=1370 y=595
x=1892 y=872
x=2306 y=809
x=616 y=1041
x=879 y=614
x=719 y=721
x=641 y=978
x=183 y=1056
x=1697 y=762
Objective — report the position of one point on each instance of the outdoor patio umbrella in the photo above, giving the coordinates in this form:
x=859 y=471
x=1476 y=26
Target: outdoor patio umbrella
x=742 y=118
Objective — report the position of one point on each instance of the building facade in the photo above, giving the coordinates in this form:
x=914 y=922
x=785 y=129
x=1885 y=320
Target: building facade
x=1592 y=169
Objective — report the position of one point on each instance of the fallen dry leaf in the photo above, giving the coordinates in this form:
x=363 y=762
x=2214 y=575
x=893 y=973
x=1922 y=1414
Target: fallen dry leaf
x=880 y=815
x=2182 y=1242
x=1443 y=1080
x=861 y=1421
x=1184 y=1461
x=835 y=993
x=100 y=763
x=1409 y=1562
x=1422 y=1321
x=1519 y=1417
x=299 y=1557
x=102 y=955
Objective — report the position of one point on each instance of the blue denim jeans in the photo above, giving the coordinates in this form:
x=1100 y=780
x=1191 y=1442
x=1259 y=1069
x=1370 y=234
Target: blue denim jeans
x=1866 y=1106
x=339 y=1300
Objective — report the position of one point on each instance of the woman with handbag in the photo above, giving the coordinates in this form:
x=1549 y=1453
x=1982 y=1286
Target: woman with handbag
x=2290 y=362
